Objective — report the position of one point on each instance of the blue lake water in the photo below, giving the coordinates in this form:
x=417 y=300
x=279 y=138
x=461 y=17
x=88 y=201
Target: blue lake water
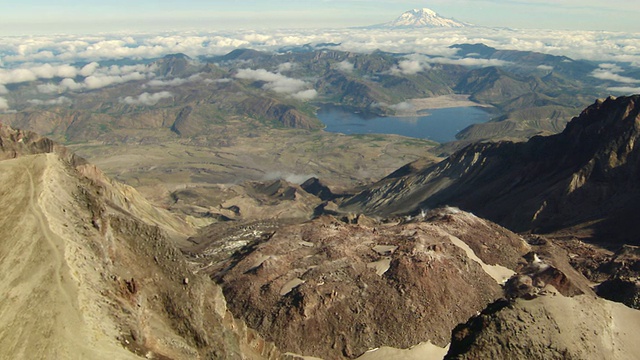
x=439 y=125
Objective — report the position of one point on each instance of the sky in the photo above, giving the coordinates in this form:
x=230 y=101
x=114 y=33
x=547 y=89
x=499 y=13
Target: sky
x=29 y=17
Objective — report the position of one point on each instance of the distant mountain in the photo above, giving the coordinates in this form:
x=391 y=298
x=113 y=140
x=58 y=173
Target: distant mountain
x=421 y=18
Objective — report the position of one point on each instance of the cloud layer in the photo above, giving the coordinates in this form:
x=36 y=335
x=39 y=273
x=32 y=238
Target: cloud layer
x=72 y=63
x=610 y=72
x=590 y=45
x=62 y=100
x=278 y=83
x=146 y=98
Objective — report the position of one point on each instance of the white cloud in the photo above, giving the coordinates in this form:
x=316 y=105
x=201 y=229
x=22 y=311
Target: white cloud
x=345 y=66
x=259 y=38
x=48 y=88
x=58 y=101
x=285 y=85
x=274 y=81
x=625 y=89
x=409 y=67
x=288 y=66
x=4 y=104
x=31 y=58
x=89 y=69
x=15 y=76
x=305 y=94
x=217 y=81
x=279 y=83
x=45 y=71
x=290 y=177
x=48 y=71
x=146 y=98
x=174 y=82
x=611 y=67
x=590 y=45
x=545 y=67
x=127 y=69
x=469 y=62
x=100 y=81
x=402 y=107
x=64 y=86
x=3 y=90
x=96 y=77
x=70 y=84
x=604 y=74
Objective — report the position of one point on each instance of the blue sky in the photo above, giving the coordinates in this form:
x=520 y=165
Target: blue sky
x=87 y=16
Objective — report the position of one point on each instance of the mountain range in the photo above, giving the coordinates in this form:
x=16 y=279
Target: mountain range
x=525 y=99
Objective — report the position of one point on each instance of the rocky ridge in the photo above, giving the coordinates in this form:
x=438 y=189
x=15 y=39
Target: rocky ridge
x=588 y=172
x=94 y=270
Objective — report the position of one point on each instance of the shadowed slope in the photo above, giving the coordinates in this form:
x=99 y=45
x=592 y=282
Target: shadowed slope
x=587 y=173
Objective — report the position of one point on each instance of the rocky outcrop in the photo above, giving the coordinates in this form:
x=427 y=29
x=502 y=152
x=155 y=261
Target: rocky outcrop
x=318 y=188
x=617 y=274
x=626 y=291
x=331 y=289
x=15 y=143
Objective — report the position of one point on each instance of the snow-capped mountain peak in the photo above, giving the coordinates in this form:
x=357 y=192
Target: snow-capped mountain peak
x=423 y=18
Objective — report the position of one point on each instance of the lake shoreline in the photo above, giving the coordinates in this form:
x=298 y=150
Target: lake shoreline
x=440 y=125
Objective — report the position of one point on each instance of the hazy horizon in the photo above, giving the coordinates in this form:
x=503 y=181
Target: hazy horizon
x=36 y=17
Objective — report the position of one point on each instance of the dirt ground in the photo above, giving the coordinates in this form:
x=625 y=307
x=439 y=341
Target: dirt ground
x=49 y=310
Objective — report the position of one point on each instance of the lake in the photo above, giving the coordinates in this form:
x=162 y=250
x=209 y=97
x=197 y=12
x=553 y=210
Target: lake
x=439 y=125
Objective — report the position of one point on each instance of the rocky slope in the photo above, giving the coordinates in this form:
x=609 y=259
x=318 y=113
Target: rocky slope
x=91 y=270
x=585 y=176
x=549 y=327
x=334 y=289
x=549 y=312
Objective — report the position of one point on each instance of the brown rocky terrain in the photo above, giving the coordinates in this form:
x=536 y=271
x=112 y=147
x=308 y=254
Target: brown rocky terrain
x=215 y=165
x=249 y=201
x=585 y=176
x=91 y=270
x=333 y=289
x=616 y=273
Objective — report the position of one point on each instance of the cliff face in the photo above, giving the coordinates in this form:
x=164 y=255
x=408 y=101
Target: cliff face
x=588 y=172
